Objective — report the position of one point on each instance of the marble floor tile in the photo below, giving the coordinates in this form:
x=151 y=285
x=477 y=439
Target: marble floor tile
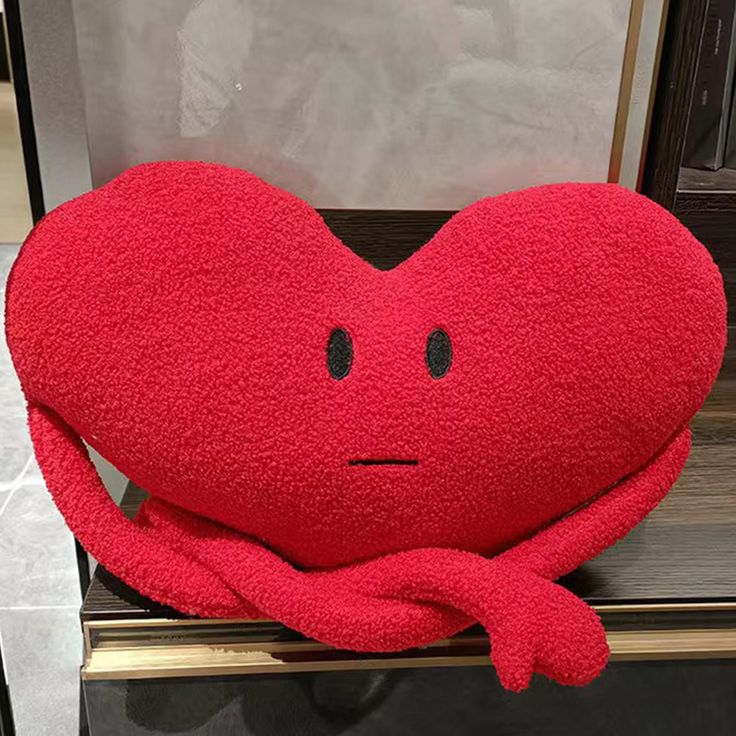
x=37 y=556
x=15 y=444
x=38 y=560
x=39 y=584
x=347 y=103
x=8 y=252
x=42 y=650
x=16 y=462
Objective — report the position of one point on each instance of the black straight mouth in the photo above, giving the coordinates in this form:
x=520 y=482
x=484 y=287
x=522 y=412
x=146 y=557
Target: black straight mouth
x=383 y=461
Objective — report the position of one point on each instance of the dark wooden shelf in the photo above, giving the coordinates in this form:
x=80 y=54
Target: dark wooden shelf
x=701 y=180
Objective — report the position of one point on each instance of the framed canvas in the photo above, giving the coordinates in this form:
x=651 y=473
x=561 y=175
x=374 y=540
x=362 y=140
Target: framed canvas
x=350 y=105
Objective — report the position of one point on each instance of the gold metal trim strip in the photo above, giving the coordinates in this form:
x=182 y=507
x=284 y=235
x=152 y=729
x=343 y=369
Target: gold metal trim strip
x=121 y=665
x=208 y=661
x=683 y=607
x=624 y=95
x=663 y=644
x=134 y=623
x=125 y=659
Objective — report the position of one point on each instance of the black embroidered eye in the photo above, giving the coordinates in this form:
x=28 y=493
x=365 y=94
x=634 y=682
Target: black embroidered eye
x=339 y=353
x=439 y=353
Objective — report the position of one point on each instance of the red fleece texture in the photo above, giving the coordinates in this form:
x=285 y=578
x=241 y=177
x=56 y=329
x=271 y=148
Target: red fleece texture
x=178 y=318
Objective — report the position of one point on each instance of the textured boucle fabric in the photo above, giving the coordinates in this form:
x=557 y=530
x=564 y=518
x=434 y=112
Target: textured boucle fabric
x=315 y=452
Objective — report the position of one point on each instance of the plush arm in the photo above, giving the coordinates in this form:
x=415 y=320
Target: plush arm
x=390 y=603
x=580 y=536
x=202 y=568
x=104 y=531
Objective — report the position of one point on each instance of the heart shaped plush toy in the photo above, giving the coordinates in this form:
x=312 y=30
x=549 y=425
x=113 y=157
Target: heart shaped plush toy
x=374 y=458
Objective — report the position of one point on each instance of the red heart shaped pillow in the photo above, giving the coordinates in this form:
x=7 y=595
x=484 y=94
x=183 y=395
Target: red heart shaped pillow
x=375 y=458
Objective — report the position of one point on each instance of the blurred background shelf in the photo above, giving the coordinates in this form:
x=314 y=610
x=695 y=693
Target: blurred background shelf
x=702 y=180
x=704 y=200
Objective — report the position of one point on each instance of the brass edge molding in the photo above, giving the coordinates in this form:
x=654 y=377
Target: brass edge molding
x=673 y=644
x=132 y=623
x=207 y=661
x=657 y=607
x=135 y=623
x=87 y=635
x=121 y=665
x=625 y=88
x=167 y=658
